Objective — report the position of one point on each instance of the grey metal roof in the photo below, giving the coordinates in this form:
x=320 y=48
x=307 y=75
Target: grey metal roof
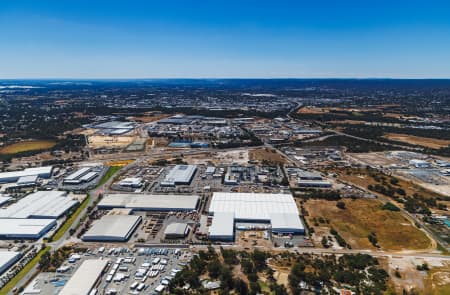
x=84 y=279
x=150 y=202
x=112 y=227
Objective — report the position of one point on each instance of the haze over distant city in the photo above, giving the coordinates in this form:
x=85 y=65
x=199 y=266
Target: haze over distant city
x=192 y=39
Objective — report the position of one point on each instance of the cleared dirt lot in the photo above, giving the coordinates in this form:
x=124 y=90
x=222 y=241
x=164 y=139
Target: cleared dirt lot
x=422 y=141
x=268 y=155
x=363 y=216
x=99 y=141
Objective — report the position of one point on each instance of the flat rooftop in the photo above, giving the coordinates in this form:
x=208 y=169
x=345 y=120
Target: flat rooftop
x=41 y=204
x=32 y=228
x=146 y=202
x=252 y=206
x=112 y=227
x=7 y=258
x=84 y=279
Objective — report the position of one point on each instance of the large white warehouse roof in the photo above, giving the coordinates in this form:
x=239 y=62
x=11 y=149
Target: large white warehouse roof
x=150 y=202
x=84 y=279
x=25 y=228
x=41 y=204
x=278 y=209
x=113 y=228
x=180 y=174
x=251 y=206
x=8 y=258
x=15 y=175
x=222 y=226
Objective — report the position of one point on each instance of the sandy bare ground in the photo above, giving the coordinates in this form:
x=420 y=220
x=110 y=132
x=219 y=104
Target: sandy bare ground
x=422 y=141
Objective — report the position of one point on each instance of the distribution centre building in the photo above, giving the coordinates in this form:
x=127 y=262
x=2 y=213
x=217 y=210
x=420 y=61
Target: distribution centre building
x=13 y=176
x=180 y=175
x=118 y=228
x=41 y=204
x=14 y=228
x=144 y=202
x=7 y=259
x=280 y=210
x=85 y=278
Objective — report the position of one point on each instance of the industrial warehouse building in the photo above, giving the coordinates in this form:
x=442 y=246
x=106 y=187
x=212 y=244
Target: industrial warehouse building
x=41 y=204
x=42 y=172
x=85 y=278
x=13 y=228
x=117 y=228
x=176 y=230
x=142 y=202
x=7 y=259
x=280 y=210
x=180 y=175
x=82 y=175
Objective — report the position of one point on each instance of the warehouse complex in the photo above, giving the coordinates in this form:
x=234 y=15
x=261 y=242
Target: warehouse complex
x=42 y=172
x=14 y=228
x=85 y=174
x=279 y=210
x=144 y=202
x=180 y=175
x=41 y=204
x=118 y=228
x=7 y=259
x=85 y=278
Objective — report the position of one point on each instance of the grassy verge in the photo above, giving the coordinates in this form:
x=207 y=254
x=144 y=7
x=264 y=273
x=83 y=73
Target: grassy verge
x=111 y=171
x=13 y=283
x=68 y=223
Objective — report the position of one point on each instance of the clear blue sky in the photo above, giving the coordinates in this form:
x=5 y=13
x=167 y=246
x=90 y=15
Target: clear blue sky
x=150 y=39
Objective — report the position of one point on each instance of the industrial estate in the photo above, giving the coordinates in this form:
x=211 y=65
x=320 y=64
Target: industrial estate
x=224 y=187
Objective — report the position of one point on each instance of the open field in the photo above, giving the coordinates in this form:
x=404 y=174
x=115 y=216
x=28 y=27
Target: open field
x=364 y=216
x=438 y=281
x=266 y=154
x=25 y=146
x=362 y=178
x=422 y=141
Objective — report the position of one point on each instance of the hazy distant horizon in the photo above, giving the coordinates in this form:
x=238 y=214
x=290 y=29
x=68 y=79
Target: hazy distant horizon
x=224 y=39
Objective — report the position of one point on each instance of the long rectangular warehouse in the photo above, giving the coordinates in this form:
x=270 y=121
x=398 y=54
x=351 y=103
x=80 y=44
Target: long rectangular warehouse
x=7 y=259
x=141 y=202
x=41 y=204
x=25 y=228
x=113 y=228
x=85 y=278
x=280 y=210
x=13 y=176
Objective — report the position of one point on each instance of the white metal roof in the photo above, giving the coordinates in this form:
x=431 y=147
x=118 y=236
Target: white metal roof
x=39 y=171
x=176 y=228
x=7 y=257
x=24 y=227
x=4 y=200
x=27 y=179
x=150 y=202
x=77 y=174
x=278 y=209
x=113 y=227
x=251 y=206
x=222 y=225
x=180 y=174
x=84 y=279
x=44 y=204
x=285 y=222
